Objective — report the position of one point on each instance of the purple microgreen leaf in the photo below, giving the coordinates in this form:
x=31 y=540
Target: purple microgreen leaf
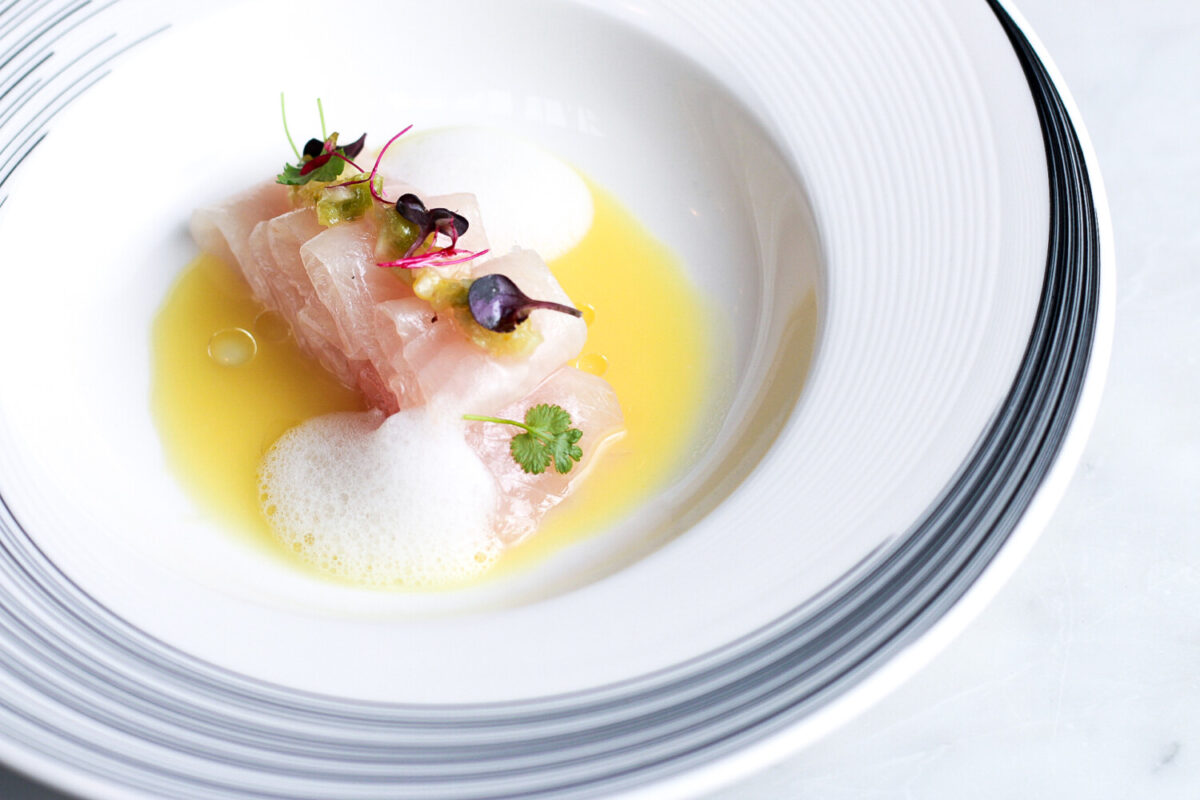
x=448 y=223
x=412 y=209
x=498 y=305
x=354 y=148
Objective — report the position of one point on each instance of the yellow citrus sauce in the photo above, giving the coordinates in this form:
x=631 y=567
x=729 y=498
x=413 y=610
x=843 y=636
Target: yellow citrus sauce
x=229 y=380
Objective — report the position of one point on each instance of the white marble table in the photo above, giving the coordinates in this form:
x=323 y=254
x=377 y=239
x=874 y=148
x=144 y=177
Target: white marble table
x=1082 y=678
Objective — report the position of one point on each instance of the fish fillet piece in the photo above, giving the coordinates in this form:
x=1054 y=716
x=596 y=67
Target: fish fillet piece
x=374 y=313
x=525 y=498
x=326 y=284
x=340 y=265
x=224 y=229
x=454 y=374
x=274 y=247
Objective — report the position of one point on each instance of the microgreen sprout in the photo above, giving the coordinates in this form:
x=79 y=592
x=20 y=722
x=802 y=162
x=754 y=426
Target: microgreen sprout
x=322 y=159
x=370 y=179
x=286 y=132
x=441 y=221
x=498 y=305
x=431 y=222
x=548 y=437
x=436 y=258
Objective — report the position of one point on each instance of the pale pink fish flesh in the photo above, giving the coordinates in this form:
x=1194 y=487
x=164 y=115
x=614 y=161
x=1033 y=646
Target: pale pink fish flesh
x=454 y=374
x=224 y=230
x=594 y=409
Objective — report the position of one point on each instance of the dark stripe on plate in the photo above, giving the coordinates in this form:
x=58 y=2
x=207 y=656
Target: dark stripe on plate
x=55 y=22
x=187 y=729
x=21 y=78
x=36 y=34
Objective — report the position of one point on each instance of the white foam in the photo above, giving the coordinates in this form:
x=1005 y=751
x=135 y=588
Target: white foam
x=527 y=197
x=396 y=501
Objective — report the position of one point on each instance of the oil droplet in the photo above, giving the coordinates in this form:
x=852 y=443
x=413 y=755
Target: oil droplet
x=271 y=326
x=593 y=363
x=232 y=347
x=589 y=313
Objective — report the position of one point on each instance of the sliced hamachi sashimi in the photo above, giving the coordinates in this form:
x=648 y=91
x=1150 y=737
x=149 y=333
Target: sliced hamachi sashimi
x=454 y=374
x=340 y=264
x=326 y=284
x=275 y=245
x=258 y=232
x=526 y=498
x=371 y=330
x=223 y=228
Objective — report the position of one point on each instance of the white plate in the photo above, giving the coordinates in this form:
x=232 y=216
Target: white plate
x=892 y=202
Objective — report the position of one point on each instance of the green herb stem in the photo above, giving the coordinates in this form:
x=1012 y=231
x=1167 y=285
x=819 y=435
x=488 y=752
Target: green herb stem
x=286 y=132
x=548 y=439
x=538 y=433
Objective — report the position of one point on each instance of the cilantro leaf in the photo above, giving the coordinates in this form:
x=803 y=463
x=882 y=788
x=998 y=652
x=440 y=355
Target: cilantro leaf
x=322 y=160
x=530 y=453
x=327 y=170
x=291 y=176
x=551 y=419
x=548 y=437
x=565 y=450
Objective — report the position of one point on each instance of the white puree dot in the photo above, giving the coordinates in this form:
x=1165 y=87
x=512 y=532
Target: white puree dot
x=405 y=502
x=527 y=197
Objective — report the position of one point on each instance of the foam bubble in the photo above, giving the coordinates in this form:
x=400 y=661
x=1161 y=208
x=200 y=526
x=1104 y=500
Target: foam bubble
x=527 y=197
x=396 y=501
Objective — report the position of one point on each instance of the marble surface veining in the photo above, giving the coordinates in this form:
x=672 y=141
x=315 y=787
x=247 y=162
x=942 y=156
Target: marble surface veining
x=1082 y=678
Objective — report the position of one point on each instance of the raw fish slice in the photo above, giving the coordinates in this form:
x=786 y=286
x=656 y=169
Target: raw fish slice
x=276 y=243
x=374 y=388
x=364 y=324
x=454 y=373
x=254 y=231
x=340 y=262
x=411 y=319
x=224 y=229
x=375 y=313
x=526 y=498
x=370 y=283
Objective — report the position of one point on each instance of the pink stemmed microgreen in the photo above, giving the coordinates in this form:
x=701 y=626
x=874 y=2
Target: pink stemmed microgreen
x=438 y=258
x=370 y=179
